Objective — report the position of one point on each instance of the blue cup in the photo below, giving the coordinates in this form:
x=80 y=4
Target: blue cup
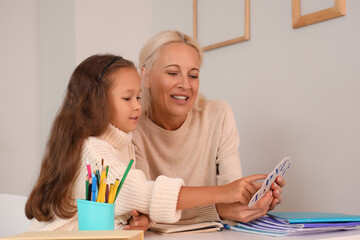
x=95 y=215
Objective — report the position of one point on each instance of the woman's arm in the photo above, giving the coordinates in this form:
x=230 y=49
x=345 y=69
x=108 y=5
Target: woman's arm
x=228 y=158
x=242 y=213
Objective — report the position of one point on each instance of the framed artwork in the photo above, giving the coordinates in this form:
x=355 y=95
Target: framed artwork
x=338 y=10
x=222 y=43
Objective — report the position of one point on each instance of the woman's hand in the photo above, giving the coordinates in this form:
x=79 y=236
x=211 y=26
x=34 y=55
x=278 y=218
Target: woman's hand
x=242 y=213
x=242 y=190
x=276 y=188
x=138 y=221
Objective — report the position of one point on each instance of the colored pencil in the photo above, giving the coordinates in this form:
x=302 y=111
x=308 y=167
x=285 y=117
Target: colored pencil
x=124 y=177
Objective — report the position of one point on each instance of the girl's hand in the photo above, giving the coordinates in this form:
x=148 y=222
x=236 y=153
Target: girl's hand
x=138 y=221
x=242 y=190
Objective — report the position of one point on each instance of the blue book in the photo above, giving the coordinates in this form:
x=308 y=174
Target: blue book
x=270 y=226
x=313 y=217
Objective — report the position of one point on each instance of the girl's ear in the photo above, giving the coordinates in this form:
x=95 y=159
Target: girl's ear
x=144 y=78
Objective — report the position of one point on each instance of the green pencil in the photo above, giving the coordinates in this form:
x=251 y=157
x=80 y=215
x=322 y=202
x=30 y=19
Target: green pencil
x=86 y=189
x=124 y=177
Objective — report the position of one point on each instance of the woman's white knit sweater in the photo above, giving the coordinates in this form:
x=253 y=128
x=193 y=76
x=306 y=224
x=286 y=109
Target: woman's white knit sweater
x=158 y=198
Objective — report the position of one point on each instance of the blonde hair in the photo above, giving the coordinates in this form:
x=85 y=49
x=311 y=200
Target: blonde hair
x=149 y=54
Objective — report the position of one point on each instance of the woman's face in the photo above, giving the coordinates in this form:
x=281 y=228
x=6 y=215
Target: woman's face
x=173 y=81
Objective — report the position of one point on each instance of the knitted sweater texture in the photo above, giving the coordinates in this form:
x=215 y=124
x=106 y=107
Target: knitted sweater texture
x=157 y=198
x=203 y=152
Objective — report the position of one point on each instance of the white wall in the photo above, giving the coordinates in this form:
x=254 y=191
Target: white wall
x=111 y=26
x=19 y=94
x=41 y=43
x=296 y=92
x=293 y=91
x=57 y=59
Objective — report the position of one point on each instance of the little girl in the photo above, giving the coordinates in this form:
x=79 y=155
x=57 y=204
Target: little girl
x=100 y=109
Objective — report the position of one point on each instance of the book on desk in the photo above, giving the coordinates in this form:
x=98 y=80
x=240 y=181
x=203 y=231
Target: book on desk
x=297 y=223
x=177 y=229
x=314 y=217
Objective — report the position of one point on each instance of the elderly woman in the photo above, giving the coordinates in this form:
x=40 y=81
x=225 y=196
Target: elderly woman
x=181 y=134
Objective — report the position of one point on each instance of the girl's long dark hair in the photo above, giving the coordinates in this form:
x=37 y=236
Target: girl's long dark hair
x=84 y=113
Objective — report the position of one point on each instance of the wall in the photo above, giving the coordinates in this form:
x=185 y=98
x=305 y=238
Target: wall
x=293 y=91
x=111 y=26
x=44 y=40
x=57 y=60
x=19 y=94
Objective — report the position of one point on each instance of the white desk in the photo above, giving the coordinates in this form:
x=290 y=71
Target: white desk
x=229 y=235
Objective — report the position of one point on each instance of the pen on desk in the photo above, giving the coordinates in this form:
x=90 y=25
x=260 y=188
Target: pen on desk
x=226 y=226
x=123 y=178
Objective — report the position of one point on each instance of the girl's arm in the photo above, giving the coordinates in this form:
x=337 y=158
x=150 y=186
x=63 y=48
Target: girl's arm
x=239 y=191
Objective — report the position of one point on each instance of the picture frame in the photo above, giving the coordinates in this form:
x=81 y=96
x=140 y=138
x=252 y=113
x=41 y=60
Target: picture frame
x=338 y=10
x=245 y=37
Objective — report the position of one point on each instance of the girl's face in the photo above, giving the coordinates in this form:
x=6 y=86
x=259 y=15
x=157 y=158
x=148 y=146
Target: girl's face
x=124 y=96
x=173 y=81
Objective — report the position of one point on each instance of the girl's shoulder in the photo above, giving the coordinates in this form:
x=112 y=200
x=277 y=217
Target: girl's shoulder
x=94 y=149
x=91 y=141
x=95 y=144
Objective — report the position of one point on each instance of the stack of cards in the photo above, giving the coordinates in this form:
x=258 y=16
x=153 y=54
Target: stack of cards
x=280 y=170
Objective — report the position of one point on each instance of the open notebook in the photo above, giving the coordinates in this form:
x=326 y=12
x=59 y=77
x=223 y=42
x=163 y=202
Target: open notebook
x=172 y=229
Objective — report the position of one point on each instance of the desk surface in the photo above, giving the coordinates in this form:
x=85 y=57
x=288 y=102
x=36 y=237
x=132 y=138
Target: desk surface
x=228 y=235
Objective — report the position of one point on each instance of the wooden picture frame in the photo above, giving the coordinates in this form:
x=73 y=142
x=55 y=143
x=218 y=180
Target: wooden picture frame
x=338 y=10
x=245 y=37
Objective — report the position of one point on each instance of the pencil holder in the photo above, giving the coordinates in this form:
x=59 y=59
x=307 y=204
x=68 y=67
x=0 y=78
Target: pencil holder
x=95 y=215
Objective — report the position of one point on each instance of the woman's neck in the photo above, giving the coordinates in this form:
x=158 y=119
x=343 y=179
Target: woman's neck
x=170 y=123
